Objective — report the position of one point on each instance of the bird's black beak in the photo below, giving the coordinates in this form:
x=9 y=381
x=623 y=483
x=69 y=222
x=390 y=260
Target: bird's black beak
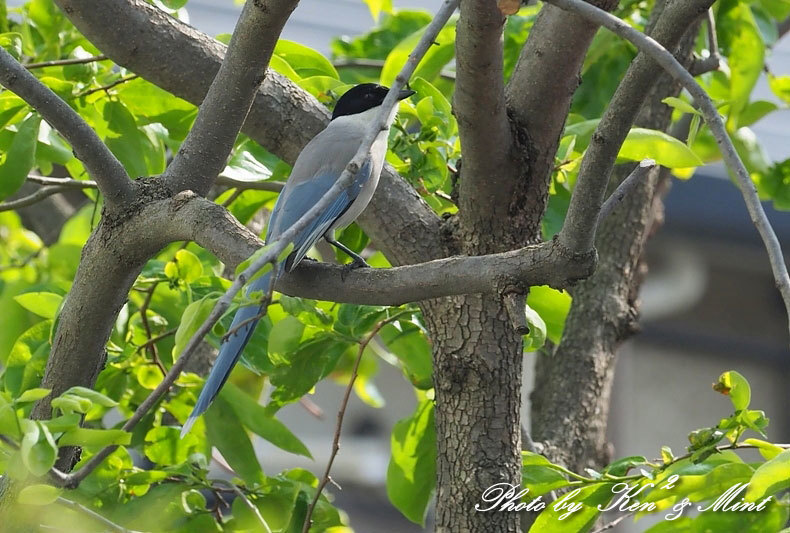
x=402 y=95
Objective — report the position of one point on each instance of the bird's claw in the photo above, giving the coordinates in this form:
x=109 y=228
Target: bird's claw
x=353 y=265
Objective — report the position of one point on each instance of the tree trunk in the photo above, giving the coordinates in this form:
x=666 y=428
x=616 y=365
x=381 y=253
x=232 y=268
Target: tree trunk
x=477 y=369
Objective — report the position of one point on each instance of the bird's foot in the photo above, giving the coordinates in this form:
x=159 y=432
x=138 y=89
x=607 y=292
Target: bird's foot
x=358 y=262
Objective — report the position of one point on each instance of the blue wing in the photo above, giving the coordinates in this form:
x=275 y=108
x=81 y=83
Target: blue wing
x=290 y=208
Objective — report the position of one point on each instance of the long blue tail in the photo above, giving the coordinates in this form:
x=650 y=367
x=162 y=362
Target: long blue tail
x=229 y=353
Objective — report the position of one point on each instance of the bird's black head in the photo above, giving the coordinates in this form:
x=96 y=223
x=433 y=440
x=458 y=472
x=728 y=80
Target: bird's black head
x=363 y=97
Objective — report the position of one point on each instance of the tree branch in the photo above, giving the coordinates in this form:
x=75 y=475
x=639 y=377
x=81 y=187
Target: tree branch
x=273 y=186
x=701 y=65
x=545 y=78
x=131 y=32
x=101 y=164
x=44 y=192
x=204 y=152
x=63 y=62
x=626 y=186
x=485 y=187
x=213 y=228
x=109 y=524
x=578 y=231
x=712 y=118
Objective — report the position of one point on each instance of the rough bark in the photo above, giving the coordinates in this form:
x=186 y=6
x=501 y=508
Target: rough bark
x=605 y=307
x=477 y=372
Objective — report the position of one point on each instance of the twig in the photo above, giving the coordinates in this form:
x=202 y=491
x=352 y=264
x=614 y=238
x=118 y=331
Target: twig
x=93 y=514
x=701 y=65
x=379 y=64
x=340 y=414
x=247 y=502
x=613 y=523
x=273 y=186
x=625 y=187
x=63 y=182
x=39 y=195
x=150 y=346
x=108 y=86
x=711 y=115
x=103 y=166
x=9 y=442
x=154 y=340
x=275 y=248
x=514 y=303
x=62 y=62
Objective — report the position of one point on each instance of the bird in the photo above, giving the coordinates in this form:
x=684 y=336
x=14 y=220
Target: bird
x=317 y=168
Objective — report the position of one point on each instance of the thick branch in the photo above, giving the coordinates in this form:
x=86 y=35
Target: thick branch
x=205 y=151
x=211 y=226
x=283 y=117
x=100 y=163
x=479 y=105
x=579 y=229
x=712 y=118
x=546 y=76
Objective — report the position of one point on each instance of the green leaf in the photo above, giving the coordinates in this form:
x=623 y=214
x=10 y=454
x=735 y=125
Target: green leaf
x=189 y=267
x=754 y=111
x=667 y=151
x=299 y=371
x=38 y=494
x=95 y=437
x=174 y=4
x=193 y=317
x=69 y=404
x=411 y=474
x=553 y=307
x=285 y=335
x=680 y=105
x=20 y=157
x=62 y=423
x=767 y=450
x=539 y=475
x=536 y=337
x=735 y=386
x=164 y=445
x=38 y=448
x=409 y=343
x=377 y=6
x=94 y=396
x=304 y=60
x=225 y=431
x=780 y=85
x=743 y=45
x=44 y=304
x=255 y=417
x=557 y=518
x=770 y=477
x=33 y=395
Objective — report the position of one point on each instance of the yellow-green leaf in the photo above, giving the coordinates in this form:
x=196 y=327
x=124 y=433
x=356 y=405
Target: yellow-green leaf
x=38 y=494
x=667 y=151
x=44 y=304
